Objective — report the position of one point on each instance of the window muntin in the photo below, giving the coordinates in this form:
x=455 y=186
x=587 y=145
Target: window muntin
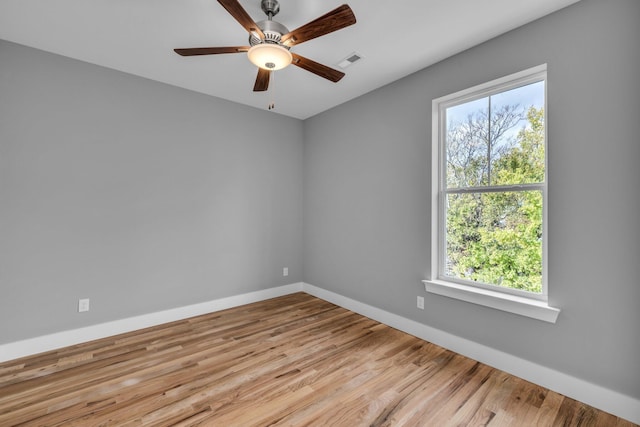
x=492 y=186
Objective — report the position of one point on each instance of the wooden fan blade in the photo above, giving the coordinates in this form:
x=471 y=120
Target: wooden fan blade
x=237 y=11
x=335 y=20
x=210 y=50
x=262 y=80
x=317 y=68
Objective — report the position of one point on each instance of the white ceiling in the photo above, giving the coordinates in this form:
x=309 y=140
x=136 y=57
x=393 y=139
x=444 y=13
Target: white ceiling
x=396 y=38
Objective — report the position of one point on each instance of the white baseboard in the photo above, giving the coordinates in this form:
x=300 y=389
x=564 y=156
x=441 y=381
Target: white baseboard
x=57 y=340
x=599 y=397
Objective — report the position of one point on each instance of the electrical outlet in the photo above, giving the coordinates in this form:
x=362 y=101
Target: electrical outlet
x=285 y=271
x=83 y=305
x=421 y=303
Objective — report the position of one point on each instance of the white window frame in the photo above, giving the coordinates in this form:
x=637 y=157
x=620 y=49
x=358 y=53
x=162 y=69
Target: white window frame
x=511 y=300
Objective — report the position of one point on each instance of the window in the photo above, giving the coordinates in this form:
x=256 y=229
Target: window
x=489 y=195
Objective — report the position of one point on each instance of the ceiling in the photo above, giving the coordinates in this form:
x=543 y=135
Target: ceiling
x=138 y=36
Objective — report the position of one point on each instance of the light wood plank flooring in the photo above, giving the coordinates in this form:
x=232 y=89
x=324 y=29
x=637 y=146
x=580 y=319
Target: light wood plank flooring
x=289 y=361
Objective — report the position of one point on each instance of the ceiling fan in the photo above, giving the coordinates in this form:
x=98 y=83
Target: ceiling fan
x=270 y=41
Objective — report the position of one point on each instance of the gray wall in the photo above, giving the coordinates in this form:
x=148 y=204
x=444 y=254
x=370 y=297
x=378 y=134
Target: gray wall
x=367 y=183
x=138 y=195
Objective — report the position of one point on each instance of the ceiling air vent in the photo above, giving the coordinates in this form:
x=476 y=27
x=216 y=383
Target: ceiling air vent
x=350 y=60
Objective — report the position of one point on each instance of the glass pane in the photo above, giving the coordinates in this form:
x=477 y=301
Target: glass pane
x=466 y=141
x=498 y=140
x=517 y=135
x=495 y=238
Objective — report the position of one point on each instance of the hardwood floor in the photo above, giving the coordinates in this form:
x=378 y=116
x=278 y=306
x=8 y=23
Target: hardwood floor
x=289 y=361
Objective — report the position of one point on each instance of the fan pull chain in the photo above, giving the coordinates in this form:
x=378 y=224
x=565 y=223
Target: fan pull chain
x=272 y=87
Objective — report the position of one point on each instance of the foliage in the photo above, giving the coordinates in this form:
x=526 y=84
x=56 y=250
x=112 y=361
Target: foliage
x=496 y=237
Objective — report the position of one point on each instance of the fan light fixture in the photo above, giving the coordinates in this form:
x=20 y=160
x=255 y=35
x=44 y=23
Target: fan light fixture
x=269 y=56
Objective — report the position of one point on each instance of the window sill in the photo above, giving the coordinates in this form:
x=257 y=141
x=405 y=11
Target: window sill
x=510 y=303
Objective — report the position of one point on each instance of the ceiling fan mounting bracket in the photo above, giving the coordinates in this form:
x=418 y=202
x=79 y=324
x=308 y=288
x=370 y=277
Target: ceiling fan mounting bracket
x=270 y=7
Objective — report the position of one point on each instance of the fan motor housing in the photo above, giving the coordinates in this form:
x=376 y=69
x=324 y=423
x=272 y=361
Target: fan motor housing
x=273 y=32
